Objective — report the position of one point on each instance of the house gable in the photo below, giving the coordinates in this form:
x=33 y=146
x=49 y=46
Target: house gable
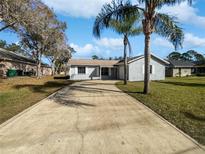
x=163 y=62
x=136 y=69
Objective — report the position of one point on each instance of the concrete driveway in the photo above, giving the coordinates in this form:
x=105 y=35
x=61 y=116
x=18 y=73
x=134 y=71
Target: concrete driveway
x=92 y=117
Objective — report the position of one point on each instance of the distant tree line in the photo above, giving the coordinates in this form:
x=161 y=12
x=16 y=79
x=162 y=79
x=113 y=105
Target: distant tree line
x=95 y=57
x=38 y=28
x=190 y=55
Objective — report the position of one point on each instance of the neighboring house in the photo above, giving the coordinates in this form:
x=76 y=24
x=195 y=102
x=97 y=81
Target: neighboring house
x=114 y=69
x=200 y=69
x=179 y=68
x=23 y=65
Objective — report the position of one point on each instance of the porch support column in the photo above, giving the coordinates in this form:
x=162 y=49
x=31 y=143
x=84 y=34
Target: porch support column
x=100 y=72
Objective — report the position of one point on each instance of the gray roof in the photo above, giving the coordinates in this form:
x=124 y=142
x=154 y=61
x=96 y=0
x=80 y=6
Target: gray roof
x=9 y=55
x=12 y=56
x=132 y=59
x=109 y=63
x=128 y=59
x=180 y=63
x=91 y=62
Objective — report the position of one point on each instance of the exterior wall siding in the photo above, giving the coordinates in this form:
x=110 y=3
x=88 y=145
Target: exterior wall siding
x=184 y=72
x=89 y=73
x=121 y=72
x=136 y=70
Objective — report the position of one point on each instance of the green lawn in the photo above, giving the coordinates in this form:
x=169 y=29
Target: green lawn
x=17 y=94
x=179 y=100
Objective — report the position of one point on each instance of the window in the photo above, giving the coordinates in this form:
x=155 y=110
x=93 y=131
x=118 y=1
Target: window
x=105 y=71
x=151 y=69
x=81 y=70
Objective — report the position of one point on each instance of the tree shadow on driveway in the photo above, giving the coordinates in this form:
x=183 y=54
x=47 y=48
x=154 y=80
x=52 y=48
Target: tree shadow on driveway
x=62 y=100
x=99 y=90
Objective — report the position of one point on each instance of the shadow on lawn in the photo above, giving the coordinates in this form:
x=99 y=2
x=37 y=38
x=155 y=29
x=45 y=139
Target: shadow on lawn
x=194 y=117
x=184 y=84
x=44 y=87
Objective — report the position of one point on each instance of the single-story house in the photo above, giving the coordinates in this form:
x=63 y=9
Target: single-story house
x=23 y=65
x=179 y=68
x=85 y=69
x=200 y=69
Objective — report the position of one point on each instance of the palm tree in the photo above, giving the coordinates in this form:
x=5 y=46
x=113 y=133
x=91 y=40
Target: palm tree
x=125 y=27
x=152 y=21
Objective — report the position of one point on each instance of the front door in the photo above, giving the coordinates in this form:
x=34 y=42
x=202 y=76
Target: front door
x=113 y=73
x=105 y=73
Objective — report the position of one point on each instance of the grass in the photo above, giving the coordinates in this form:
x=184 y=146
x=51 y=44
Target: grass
x=179 y=100
x=17 y=94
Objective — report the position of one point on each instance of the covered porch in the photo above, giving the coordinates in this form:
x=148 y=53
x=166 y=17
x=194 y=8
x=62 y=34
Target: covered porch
x=108 y=73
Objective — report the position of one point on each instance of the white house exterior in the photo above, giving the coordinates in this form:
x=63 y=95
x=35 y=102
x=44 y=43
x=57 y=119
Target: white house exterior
x=84 y=69
x=114 y=69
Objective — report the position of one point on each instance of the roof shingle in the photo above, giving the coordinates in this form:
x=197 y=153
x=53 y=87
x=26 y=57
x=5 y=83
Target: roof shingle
x=12 y=56
x=90 y=62
x=180 y=63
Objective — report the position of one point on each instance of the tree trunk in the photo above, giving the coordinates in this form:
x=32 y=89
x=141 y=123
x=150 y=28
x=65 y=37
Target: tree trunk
x=125 y=60
x=147 y=57
x=53 y=67
x=39 y=65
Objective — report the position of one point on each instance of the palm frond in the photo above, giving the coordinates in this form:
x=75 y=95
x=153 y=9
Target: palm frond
x=167 y=27
x=127 y=26
x=135 y=31
x=116 y=10
x=160 y=3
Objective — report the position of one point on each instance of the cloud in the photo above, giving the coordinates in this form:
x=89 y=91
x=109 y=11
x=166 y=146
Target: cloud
x=193 y=41
x=190 y=41
x=102 y=48
x=158 y=41
x=85 y=51
x=85 y=48
x=77 y=8
x=110 y=43
x=185 y=14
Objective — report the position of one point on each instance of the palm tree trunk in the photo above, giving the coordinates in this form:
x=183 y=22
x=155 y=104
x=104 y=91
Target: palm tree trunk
x=125 y=60
x=147 y=57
